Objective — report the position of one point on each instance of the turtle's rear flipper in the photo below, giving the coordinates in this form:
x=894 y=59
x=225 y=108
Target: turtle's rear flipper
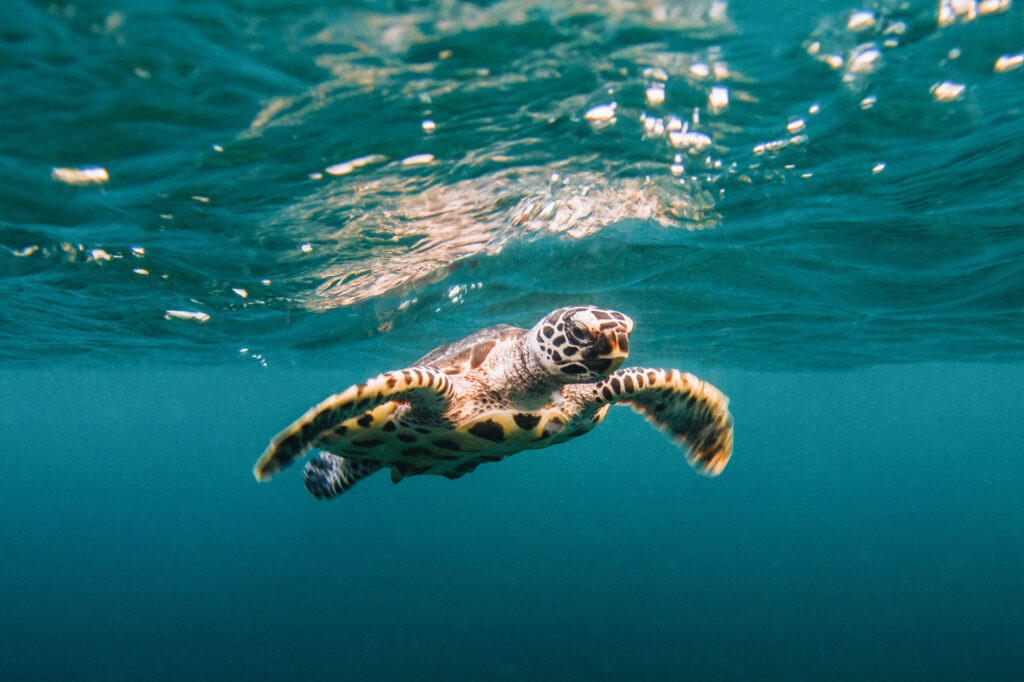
x=329 y=475
x=692 y=412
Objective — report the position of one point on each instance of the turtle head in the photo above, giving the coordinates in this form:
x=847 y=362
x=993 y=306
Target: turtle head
x=581 y=343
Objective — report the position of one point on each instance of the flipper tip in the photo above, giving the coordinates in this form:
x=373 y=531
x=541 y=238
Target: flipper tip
x=263 y=470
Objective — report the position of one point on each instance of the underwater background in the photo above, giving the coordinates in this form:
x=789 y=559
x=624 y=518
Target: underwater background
x=214 y=214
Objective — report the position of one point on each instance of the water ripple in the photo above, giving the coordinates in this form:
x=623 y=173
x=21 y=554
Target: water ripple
x=279 y=182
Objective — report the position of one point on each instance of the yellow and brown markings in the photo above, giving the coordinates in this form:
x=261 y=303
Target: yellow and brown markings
x=692 y=412
x=509 y=431
x=356 y=417
x=526 y=420
x=384 y=434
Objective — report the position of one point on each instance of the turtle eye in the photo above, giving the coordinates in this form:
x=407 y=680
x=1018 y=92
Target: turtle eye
x=579 y=331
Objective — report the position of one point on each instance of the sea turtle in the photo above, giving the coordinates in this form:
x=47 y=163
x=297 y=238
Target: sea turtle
x=494 y=393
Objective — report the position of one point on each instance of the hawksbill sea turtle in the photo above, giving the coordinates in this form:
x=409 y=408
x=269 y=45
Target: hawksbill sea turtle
x=493 y=394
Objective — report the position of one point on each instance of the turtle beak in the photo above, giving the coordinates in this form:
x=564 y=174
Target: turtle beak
x=611 y=349
x=619 y=342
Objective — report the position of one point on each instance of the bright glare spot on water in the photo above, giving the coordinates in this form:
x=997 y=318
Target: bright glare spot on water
x=255 y=356
x=602 y=114
x=864 y=59
x=700 y=69
x=868 y=102
x=717 y=10
x=656 y=94
x=655 y=72
x=338 y=169
x=1009 y=62
x=718 y=98
x=306 y=248
x=993 y=6
x=27 y=251
x=418 y=160
x=201 y=199
x=689 y=139
x=346 y=167
x=80 y=176
x=241 y=292
x=861 y=19
x=947 y=91
x=776 y=145
x=951 y=11
x=677 y=165
x=140 y=271
x=795 y=126
x=654 y=126
x=458 y=292
x=428 y=125
x=99 y=254
x=186 y=315
x=878 y=168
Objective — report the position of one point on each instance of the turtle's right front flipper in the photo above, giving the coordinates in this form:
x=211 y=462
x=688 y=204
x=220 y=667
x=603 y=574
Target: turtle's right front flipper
x=426 y=390
x=693 y=413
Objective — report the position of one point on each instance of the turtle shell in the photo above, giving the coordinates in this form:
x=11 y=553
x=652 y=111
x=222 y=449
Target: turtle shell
x=469 y=353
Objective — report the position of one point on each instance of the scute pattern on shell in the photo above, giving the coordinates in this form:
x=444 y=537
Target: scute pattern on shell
x=469 y=353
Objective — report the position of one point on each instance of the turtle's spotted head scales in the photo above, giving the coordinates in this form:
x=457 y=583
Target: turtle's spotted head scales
x=581 y=343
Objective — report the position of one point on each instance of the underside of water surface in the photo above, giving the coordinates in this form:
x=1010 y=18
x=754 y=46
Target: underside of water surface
x=786 y=187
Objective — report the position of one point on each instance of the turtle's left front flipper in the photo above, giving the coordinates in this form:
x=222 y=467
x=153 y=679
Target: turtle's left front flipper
x=425 y=389
x=692 y=412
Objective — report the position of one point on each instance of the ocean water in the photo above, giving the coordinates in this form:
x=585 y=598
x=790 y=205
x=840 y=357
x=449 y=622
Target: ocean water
x=212 y=215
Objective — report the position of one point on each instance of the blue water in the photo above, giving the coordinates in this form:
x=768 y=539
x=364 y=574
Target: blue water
x=815 y=206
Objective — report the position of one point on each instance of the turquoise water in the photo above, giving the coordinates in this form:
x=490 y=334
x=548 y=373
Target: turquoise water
x=215 y=214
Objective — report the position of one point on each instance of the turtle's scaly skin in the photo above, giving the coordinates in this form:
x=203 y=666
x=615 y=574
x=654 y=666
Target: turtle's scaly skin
x=495 y=393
